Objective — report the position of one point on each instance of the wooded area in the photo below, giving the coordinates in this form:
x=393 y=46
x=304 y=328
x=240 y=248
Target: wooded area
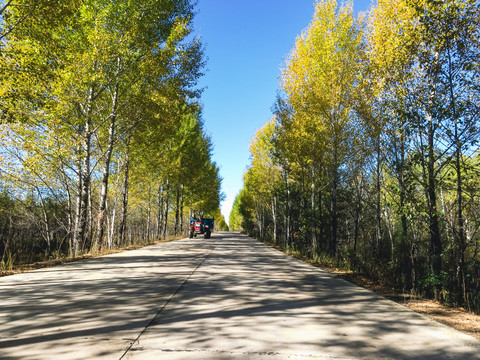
x=371 y=160
x=102 y=142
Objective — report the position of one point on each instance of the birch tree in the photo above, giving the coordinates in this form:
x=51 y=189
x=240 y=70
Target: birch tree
x=319 y=82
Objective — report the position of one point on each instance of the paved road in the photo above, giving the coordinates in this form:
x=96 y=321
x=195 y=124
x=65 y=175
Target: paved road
x=229 y=297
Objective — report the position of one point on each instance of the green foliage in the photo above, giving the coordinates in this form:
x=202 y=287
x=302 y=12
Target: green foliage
x=235 y=219
x=220 y=223
x=374 y=147
x=101 y=122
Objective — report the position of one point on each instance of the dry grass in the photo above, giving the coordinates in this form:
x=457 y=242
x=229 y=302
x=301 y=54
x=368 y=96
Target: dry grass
x=457 y=318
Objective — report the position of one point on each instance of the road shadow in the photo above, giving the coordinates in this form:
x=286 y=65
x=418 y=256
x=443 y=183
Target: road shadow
x=93 y=308
x=249 y=299
x=246 y=300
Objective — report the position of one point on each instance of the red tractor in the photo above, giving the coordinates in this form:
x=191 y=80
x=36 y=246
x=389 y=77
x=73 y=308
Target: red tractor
x=199 y=225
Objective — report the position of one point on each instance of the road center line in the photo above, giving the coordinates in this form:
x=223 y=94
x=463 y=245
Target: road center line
x=167 y=302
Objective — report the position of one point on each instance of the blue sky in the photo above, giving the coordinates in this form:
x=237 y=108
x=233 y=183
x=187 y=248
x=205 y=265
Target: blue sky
x=246 y=43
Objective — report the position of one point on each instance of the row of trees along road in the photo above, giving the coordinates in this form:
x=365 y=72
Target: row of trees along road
x=371 y=159
x=102 y=140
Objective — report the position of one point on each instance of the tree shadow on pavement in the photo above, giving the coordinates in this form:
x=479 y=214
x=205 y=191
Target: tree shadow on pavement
x=92 y=308
x=248 y=299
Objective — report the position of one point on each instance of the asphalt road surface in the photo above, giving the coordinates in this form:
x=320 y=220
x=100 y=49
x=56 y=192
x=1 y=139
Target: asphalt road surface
x=229 y=297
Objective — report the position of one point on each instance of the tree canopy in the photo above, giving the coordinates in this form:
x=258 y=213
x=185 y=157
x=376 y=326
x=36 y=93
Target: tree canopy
x=102 y=136
x=371 y=159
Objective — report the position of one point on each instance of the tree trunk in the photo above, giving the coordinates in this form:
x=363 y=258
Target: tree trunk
x=460 y=220
x=403 y=217
x=313 y=217
x=160 y=213
x=111 y=229
x=288 y=210
x=458 y=168
x=149 y=211
x=358 y=211
x=70 y=210
x=388 y=225
x=123 y=222
x=413 y=273
x=74 y=243
x=165 y=217
x=401 y=182
x=177 y=212
x=106 y=168
x=321 y=218
x=261 y=221
x=434 y=226
x=181 y=208
x=89 y=233
x=274 y=218
x=378 y=206
x=84 y=177
x=333 y=236
x=333 y=207
x=48 y=233
x=435 y=241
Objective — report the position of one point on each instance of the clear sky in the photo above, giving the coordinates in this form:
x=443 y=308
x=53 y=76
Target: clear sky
x=246 y=43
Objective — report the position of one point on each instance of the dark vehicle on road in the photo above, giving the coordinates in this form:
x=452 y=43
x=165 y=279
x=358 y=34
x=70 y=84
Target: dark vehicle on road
x=200 y=225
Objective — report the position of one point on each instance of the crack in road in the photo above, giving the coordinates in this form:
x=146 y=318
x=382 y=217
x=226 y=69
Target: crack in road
x=235 y=354
x=167 y=302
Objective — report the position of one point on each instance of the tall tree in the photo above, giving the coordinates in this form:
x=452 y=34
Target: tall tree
x=330 y=49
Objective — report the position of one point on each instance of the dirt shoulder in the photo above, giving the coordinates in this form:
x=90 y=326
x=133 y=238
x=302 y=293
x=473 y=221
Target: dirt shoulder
x=457 y=318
